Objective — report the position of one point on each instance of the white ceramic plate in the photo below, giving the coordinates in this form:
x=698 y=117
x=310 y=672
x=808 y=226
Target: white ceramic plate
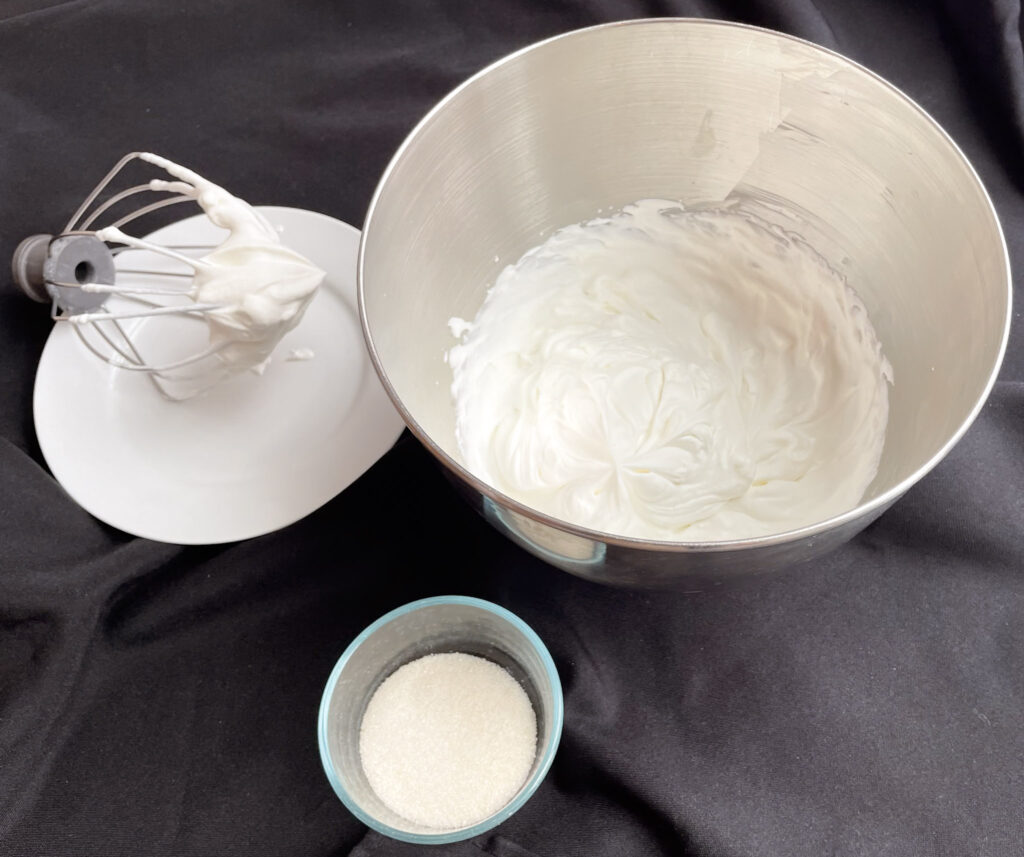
x=250 y=456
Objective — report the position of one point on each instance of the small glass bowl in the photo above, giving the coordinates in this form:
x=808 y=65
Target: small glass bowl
x=450 y=623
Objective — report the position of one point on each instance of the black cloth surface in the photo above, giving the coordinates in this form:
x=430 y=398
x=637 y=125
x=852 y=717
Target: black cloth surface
x=162 y=700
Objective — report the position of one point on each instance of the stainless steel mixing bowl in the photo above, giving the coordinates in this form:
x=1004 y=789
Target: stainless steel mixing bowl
x=702 y=112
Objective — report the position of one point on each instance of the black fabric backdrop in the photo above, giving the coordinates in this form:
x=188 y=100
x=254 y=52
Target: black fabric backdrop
x=162 y=700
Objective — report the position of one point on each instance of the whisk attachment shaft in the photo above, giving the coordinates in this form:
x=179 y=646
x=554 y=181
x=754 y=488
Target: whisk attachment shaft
x=57 y=269
x=27 y=267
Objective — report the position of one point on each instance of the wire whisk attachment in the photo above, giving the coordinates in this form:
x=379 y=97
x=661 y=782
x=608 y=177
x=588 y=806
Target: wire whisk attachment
x=222 y=308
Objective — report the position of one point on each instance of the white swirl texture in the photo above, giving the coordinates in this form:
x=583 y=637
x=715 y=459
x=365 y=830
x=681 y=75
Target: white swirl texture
x=673 y=375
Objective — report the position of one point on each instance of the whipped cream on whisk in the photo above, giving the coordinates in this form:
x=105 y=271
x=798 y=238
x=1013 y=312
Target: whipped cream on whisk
x=672 y=375
x=251 y=288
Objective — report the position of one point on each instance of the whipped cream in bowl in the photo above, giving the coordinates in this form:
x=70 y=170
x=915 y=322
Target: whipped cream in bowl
x=672 y=375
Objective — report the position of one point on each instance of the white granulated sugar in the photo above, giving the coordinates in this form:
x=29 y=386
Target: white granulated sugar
x=448 y=739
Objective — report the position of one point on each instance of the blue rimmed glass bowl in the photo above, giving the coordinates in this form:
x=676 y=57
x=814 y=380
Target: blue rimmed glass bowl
x=450 y=623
